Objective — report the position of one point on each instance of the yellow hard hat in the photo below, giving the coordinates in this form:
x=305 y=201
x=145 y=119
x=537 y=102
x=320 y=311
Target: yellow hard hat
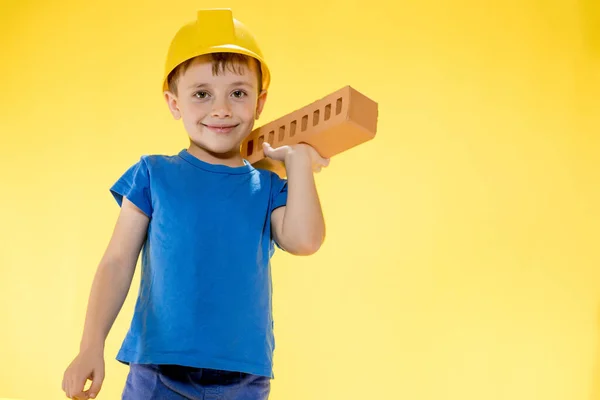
x=214 y=31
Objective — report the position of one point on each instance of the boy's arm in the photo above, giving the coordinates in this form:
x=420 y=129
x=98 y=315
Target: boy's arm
x=109 y=290
x=299 y=227
x=114 y=274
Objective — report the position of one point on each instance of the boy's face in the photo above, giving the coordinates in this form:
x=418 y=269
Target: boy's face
x=218 y=111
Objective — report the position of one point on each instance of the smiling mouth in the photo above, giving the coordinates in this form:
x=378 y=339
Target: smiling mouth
x=220 y=128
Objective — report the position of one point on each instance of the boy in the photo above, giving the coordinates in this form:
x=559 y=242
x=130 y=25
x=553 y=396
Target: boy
x=206 y=222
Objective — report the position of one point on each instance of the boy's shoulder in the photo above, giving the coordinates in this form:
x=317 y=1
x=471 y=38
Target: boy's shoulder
x=157 y=158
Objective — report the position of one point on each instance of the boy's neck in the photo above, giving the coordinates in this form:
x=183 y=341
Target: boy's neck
x=232 y=159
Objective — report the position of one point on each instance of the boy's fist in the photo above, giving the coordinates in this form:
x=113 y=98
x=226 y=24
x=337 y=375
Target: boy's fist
x=86 y=366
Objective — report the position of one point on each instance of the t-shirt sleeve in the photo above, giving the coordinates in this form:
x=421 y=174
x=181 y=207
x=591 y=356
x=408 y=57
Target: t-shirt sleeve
x=135 y=185
x=279 y=192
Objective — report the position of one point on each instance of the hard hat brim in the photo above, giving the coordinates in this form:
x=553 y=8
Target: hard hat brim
x=225 y=48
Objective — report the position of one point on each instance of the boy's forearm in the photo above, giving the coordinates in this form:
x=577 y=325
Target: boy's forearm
x=109 y=291
x=303 y=222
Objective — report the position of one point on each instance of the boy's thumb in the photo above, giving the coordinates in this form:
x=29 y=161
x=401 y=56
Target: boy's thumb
x=96 y=386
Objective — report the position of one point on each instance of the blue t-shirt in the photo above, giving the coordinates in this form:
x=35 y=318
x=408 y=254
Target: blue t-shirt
x=205 y=292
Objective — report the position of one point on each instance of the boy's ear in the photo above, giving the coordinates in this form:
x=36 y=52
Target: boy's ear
x=173 y=104
x=260 y=103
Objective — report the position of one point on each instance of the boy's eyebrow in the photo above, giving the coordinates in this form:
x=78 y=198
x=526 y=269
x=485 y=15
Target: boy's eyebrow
x=237 y=83
x=197 y=85
x=242 y=83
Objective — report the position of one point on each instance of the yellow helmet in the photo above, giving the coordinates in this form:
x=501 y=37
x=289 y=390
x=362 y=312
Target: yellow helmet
x=215 y=30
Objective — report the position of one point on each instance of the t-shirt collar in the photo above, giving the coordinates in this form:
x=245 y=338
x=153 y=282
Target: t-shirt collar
x=218 y=168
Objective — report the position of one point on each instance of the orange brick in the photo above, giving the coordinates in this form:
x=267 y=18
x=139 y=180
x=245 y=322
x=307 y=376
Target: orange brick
x=336 y=123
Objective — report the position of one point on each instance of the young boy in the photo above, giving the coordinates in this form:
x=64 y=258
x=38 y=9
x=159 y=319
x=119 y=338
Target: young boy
x=206 y=222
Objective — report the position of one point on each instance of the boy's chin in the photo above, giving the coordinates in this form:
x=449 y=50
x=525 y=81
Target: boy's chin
x=224 y=150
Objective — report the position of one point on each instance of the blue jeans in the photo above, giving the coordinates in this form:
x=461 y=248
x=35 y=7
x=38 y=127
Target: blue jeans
x=171 y=382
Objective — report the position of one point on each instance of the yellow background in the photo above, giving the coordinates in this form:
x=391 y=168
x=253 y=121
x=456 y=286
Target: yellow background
x=463 y=242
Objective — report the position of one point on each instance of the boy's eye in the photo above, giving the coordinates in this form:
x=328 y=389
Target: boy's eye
x=201 y=95
x=239 y=93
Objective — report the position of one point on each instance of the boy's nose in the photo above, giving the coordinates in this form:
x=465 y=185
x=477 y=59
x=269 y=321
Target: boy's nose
x=221 y=109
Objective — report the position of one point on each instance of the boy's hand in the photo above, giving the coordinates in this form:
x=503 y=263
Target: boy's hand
x=87 y=365
x=300 y=151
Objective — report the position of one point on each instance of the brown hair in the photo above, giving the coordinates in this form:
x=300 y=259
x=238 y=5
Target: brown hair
x=220 y=62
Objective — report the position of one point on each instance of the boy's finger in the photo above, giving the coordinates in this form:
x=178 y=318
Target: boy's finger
x=267 y=149
x=323 y=162
x=93 y=391
x=76 y=388
x=69 y=387
x=275 y=154
x=81 y=396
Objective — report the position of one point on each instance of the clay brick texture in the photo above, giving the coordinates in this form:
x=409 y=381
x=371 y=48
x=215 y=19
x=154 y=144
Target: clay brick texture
x=336 y=123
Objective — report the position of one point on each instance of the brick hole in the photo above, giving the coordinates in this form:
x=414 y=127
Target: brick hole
x=316 y=115
x=338 y=106
x=250 y=148
x=281 y=133
x=327 y=112
x=292 y=128
x=271 y=137
x=304 y=123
